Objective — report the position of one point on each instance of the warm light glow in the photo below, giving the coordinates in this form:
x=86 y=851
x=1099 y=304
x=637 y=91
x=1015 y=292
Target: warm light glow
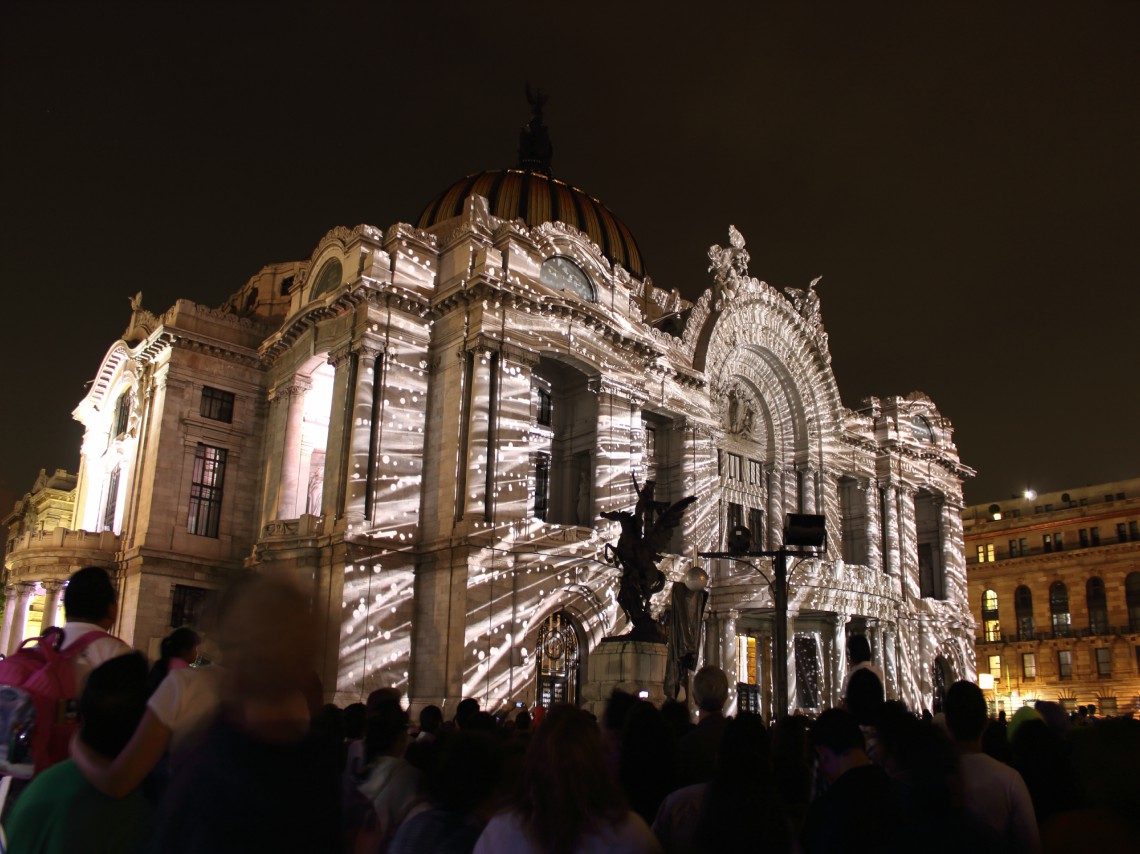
x=1030 y=494
x=986 y=681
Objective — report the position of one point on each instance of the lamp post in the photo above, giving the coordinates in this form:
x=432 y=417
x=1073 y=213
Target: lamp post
x=804 y=530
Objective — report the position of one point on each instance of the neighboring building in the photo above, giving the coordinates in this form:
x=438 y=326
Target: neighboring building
x=1055 y=591
x=422 y=425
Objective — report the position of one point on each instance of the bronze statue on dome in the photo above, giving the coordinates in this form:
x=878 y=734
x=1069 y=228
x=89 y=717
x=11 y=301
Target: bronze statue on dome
x=644 y=535
x=535 y=148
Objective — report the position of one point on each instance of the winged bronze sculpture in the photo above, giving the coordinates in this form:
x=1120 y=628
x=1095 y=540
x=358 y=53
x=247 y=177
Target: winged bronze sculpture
x=645 y=533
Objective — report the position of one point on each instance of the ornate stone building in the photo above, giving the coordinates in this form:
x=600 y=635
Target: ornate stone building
x=422 y=425
x=1055 y=590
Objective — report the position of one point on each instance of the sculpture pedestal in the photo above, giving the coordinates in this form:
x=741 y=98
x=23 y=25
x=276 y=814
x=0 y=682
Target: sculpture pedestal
x=627 y=665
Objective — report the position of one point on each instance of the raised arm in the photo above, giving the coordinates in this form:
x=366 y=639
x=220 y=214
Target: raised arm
x=119 y=777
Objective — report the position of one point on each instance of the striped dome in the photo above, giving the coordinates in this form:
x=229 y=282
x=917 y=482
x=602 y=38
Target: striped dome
x=536 y=198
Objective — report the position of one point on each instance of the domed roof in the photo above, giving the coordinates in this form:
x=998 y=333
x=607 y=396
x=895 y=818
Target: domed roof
x=535 y=198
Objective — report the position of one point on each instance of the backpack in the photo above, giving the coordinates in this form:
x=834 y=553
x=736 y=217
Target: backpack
x=39 y=706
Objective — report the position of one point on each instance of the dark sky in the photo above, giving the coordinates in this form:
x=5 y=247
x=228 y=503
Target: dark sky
x=965 y=179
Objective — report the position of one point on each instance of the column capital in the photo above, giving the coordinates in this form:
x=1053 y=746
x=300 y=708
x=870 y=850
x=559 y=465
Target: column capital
x=602 y=384
x=839 y=621
x=295 y=386
x=53 y=585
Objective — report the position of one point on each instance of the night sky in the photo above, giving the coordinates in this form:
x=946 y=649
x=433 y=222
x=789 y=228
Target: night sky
x=965 y=179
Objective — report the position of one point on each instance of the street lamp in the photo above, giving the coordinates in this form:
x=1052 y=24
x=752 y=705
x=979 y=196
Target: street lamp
x=803 y=530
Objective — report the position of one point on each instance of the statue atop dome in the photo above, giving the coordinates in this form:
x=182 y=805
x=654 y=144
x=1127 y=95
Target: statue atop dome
x=535 y=148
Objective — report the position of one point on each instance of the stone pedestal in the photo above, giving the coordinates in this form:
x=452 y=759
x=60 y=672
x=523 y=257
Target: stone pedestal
x=630 y=666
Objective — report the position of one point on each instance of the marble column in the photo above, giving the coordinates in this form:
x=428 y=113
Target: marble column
x=9 y=617
x=953 y=551
x=891 y=564
x=24 y=592
x=806 y=479
x=828 y=507
x=838 y=657
x=728 y=647
x=345 y=362
x=775 y=496
x=291 y=402
x=908 y=543
x=361 y=443
x=790 y=656
x=474 y=501
x=53 y=594
x=890 y=663
x=873 y=522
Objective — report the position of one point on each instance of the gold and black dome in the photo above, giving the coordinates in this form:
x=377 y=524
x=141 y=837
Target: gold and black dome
x=535 y=198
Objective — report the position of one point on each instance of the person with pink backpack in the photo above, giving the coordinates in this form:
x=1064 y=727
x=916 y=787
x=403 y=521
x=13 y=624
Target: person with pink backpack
x=41 y=682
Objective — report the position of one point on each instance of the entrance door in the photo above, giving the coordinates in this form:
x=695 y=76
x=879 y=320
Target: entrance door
x=558 y=658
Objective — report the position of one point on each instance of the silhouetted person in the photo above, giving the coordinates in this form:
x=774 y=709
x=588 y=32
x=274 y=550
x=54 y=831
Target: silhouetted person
x=567 y=802
x=696 y=751
x=854 y=813
x=646 y=763
x=91 y=604
x=859 y=658
x=179 y=649
x=466 y=710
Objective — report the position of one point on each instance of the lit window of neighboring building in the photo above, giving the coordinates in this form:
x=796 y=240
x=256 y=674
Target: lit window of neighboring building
x=1029 y=665
x=1064 y=663
x=1098 y=606
x=1047 y=541
x=990 y=625
x=995 y=667
x=986 y=553
x=217 y=405
x=1132 y=599
x=1103 y=661
x=1057 y=542
x=1059 y=607
x=206 y=491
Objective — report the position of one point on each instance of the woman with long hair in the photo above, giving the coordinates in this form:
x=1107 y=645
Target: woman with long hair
x=179 y=649
x=567 y=802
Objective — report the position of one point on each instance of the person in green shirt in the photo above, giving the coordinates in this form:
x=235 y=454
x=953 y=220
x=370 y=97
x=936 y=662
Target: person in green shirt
x=60 y=812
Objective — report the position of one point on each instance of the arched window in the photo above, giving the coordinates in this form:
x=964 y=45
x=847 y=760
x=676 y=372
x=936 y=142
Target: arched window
x=990 y=625
x=327 y=279
x=1098 y=606
x=1132 y=597
x=1023 y=609
x=1059 y=607
x=557 y=657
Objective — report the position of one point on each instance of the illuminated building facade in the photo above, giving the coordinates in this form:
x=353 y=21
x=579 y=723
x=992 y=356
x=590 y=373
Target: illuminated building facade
x=1055 y=591
x=423 y=424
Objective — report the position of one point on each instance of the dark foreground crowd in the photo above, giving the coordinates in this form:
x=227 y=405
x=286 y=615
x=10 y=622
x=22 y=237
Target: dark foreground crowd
x=241 y=757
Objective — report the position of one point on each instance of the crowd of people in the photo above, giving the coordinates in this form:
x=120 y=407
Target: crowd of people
x=241 y=755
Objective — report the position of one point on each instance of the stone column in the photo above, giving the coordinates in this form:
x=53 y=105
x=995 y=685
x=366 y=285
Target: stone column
x=728 y=648
x=290 y=404
x=890 y=671
x=829 y=507
x=775 y=497
x=874 y=534
x=20 y=616
x=908 y=543
x=806 y=480
x=361 y=443
x=839 y=657
x=953 y=552
x=790 y=655
x=474 y=500
x=616 y=454
x=53 y=591
x=345 y=362
x=891 y=564
x=9 y=617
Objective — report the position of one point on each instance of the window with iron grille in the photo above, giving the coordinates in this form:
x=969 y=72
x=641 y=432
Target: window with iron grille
x=545 y=415
x=217 y=405
x=206 y=490
x=111 y=500
x=541 y=487
x=122 y=414
x=188 y=604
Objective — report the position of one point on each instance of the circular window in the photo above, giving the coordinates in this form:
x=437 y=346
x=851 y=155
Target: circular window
x=328 y=279
x=561 y=274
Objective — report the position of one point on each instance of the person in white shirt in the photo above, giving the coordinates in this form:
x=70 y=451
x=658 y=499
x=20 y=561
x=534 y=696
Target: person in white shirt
x=90 y=604
x=993 y=791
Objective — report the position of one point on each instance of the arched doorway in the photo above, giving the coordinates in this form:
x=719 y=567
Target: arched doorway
x=558 y=656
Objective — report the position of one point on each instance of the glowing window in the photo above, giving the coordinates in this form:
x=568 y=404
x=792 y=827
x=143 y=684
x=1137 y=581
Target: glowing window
x=1029 y=665
x=1098 y=606
x=995 y=667
x=1059 y=607
x=561 y=274
x=1023 y=609
x=327 y=280
x=990 y=624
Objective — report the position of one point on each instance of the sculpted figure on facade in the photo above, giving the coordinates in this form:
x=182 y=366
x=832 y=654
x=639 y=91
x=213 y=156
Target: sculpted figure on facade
x=729 y=266
x=645 y=534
